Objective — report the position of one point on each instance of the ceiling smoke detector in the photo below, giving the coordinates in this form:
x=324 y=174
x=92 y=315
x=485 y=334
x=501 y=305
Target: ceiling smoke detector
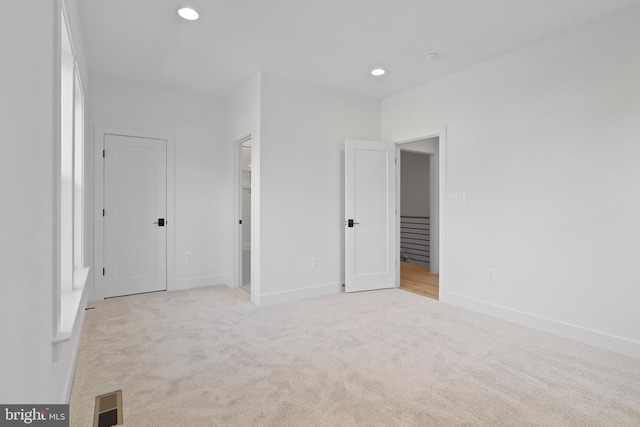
x=431 y=56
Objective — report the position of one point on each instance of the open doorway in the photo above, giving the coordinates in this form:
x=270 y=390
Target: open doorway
x=244 y=148
x=419 y=217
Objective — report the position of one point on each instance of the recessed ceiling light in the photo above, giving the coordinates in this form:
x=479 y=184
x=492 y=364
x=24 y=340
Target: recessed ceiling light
x=377 y=72
x=188 y=14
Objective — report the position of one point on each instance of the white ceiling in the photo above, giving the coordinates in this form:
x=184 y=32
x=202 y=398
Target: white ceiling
x=334 y=43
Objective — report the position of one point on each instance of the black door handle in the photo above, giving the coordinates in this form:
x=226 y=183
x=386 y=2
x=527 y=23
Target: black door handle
x=350 y=223
x=160 y=222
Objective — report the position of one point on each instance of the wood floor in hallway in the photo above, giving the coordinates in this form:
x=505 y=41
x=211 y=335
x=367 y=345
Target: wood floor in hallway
x=418 y=279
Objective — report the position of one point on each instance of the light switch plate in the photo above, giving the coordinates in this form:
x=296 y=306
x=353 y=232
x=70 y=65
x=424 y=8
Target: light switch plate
x=458 y=198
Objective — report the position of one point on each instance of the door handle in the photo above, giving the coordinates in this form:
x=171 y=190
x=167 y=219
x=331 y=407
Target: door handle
x=349 y=223
x=160 y=222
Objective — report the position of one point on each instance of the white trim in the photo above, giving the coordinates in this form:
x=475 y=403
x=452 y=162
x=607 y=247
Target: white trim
x=99 y=133
x=75 y=301
x=441 y=133
x=98 y=221
x=66 y=22
x=256 y=252
x=199 y=282
x=244 y=139
x=83 y=190
x=171 y=210
x=255 y=214
x=57 y=178
x=68 y=297
x=72 y=301
x=296 y=294
x=552 y=326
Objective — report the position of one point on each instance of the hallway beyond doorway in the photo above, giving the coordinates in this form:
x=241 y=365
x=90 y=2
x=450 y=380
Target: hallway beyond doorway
x=419 y=280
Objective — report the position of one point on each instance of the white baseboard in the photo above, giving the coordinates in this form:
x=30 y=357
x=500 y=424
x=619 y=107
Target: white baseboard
x=574 y=332
x=296 y=294
x=198 y=282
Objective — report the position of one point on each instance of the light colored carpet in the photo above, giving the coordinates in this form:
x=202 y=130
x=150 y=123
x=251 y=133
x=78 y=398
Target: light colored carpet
x=208 y=357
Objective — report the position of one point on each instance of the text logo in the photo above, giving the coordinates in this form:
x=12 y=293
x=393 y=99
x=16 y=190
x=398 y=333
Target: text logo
x=37 y=415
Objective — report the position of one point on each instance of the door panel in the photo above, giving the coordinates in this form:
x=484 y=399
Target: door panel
x=135 y=199
x=370 y=202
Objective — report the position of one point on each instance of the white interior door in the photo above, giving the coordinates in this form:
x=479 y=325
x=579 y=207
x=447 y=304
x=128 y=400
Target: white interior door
x=135 y=232
x=370 y=223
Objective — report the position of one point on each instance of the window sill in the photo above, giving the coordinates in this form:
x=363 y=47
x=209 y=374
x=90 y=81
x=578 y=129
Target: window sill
x=70 y=307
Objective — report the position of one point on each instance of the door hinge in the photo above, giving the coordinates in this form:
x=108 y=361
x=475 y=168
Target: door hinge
x=240 y=222
x=103 y=271
x=102 y=212
x=104 y=154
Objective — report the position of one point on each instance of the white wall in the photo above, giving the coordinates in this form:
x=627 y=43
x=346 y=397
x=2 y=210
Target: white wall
x=414 y=174
x=303 y=128
x=533 y=139
x=32 y=368
x=414 y=196
x=203 y=170
x=243 y=110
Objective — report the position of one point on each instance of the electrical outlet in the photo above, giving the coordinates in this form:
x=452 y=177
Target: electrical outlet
x=188 y=256
x=491 y=273
x=314 y=262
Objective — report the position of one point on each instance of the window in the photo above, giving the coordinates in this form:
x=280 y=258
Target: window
x=67 y=87
x=73 y=273
x=78 y=182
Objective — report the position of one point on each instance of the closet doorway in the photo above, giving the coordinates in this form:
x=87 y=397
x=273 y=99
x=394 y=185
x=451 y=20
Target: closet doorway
x=419 y=217
x=244 y=155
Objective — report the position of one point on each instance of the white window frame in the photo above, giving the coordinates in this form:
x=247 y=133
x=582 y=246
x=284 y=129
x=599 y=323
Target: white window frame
x=72 y=271
x=79 y=258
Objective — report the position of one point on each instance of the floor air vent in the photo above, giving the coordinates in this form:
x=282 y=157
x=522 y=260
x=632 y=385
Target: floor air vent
x=108 y=410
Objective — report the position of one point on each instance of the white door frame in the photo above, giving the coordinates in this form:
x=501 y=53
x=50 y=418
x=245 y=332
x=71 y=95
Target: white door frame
x=441 y=133
x=99 y=133
x=238 y=193
x=255 y=215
